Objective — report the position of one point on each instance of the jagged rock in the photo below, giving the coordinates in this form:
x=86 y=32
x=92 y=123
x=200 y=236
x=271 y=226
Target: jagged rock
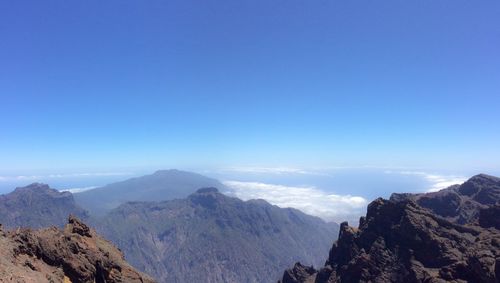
x=400 y=241
x=78 y=227
x=299 y=273
x=490 y=217
x=75 y=254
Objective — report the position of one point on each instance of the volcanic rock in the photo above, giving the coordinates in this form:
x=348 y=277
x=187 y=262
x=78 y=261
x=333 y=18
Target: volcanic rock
x=74 y=254
x=401 y=241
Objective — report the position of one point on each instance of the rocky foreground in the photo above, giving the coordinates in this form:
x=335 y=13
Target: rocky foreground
x=401 y=241
x=73 y=254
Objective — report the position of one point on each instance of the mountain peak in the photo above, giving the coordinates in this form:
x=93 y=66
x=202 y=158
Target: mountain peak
x=482 y=188
x=207 y=197
x=32 y=202
x=208 y=190
x=34 y=186
x=160 y=186
x=166 y=171
x=484 y=177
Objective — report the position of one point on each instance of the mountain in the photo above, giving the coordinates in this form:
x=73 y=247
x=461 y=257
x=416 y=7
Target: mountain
x=210 y=237
x=203 y=237
x=74 y=254
x=162 y=185
x=36 y=206
x=459 y=203
x=401 y=241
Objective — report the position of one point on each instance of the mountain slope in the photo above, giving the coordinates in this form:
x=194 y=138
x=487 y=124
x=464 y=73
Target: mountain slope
x=459 y=203
x=400 y=241
x=209 y=237
x=36 y=206
x=75 y=254
x=162 y=185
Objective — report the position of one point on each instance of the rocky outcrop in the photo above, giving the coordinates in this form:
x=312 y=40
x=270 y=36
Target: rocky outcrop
x=300 y=273
x=73 y=254
x=37 y=206
x=400 y=241
x=490 y=217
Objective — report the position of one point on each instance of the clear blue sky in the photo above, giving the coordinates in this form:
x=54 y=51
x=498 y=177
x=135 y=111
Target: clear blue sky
x=108 y=84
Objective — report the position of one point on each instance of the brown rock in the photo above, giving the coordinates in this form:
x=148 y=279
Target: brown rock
x=490 y=217
x=78 y=227
x=299 y=273
x=75 y=254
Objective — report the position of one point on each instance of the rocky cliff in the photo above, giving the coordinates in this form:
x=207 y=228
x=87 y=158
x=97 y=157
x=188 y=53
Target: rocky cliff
x=401 y=241
x=73 y=254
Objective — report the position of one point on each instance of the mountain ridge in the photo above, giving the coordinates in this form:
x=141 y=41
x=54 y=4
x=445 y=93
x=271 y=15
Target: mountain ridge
x=226 y=239
x=47 y=207
x=161 y=185
x=459 y=203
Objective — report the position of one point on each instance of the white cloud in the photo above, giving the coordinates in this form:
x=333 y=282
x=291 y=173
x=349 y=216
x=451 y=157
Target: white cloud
x=93 y=174
x=318 y=171
x=437 y=182
x=275 y=170
x=78 y=190
x=70 y=175
x=23 y=177
x=308 y=199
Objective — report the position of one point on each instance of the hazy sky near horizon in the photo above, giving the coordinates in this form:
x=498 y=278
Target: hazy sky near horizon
x=112 y=84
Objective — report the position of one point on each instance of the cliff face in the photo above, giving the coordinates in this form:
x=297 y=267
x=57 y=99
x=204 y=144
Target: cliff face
x=400 y=241
x=210 y=237
x=36 y=206
x=73 y=254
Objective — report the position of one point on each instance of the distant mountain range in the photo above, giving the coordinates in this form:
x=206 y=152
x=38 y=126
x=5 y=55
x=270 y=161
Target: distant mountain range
x=204 y=236
x=449 y=236
x=210 y=237
x=162 y=185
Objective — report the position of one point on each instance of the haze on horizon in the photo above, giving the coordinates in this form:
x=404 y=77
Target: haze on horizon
x=105 y=87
